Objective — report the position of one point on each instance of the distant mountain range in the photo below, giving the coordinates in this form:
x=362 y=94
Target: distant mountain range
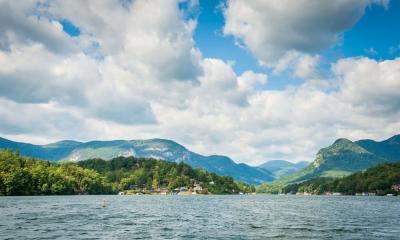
x=282 y=167
x=344 y=157
x=380 y=180
x=152 y=148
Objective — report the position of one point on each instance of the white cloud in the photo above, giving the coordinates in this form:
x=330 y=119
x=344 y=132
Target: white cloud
x=219 y=84
x=371 y=85
x=19 y=25
x=300 y=65
x=295 y=122
x=45 y=119
x=118 y=88
x=250 y=81
x=32 y=74
x=165 y=44
x=270 y=29
x=153 y=82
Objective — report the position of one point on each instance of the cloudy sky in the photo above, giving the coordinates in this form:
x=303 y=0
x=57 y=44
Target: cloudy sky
x=252 y=79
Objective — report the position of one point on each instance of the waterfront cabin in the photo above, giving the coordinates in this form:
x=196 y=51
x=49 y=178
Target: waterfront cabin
x=197 y=188
x=164 y=191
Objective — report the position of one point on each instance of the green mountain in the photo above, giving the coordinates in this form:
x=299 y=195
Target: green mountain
x=343 y=158
x=153 y=148
x=389 y=149
x=283 y=168
x=28 y=176
x=380 y=180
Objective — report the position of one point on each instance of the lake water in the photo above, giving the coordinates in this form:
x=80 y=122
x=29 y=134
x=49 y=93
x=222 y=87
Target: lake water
x=200 y=217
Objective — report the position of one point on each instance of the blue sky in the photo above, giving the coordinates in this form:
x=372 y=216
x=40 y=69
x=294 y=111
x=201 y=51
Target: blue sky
x=70 y=28
x=211 y=41
x=373 y=36
x=121 y=69
x=378 y=29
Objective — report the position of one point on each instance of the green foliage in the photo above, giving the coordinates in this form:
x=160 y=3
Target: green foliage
x=378 y=180
x=341 y=159
x=27 y=176
x=152 y=173
x=168 y=150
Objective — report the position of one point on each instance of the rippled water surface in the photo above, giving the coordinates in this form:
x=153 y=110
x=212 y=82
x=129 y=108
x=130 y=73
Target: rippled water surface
x=200 y=217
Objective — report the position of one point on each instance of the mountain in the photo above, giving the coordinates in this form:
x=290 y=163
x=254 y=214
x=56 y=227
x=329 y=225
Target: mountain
x=343 y=158
x=54 y=151
x=29 y=176
x=380 y=180
x=153 y=148
x=282 y=168
x=389 y=149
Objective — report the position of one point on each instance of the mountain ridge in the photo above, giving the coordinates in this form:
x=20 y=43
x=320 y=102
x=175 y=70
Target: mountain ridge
x=282 y=167
x=343 y=158
x=165 y=149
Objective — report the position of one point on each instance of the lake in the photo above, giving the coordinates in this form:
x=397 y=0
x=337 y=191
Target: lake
x=200 y=217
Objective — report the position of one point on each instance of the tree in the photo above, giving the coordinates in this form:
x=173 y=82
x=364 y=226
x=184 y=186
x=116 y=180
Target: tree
x=155 y=184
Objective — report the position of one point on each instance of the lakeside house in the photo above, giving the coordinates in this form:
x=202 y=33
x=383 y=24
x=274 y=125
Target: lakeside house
x=197 y=188
x=333 y=193
x=395 y=187
x=161 y=191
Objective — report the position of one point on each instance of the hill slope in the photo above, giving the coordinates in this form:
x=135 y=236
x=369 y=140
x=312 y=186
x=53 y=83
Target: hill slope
x=381 y=179
x=283 y=168
x=343 y=158
x=152 y=148
x=29 y=176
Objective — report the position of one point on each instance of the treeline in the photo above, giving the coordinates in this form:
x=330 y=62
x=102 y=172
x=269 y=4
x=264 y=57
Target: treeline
x=153 y=174
x=28 y=176
x=381 y=180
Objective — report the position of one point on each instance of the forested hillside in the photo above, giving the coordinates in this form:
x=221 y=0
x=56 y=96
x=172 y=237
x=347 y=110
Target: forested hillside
x=382 y=179
x=342 y=158
x=164 y=149
x=28 y=176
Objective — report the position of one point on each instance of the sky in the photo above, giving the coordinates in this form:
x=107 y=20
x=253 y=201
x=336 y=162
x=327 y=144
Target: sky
x=254 y=80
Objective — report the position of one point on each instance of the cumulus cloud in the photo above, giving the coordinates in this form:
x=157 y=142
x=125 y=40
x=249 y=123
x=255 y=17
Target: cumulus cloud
x=149 y=37
x=20 y=25
x=270 y=29
x=295 y=122
x=140 y=54
x=250 y=81
x=220 y=84
x=134 y=73
x=36 y=119
x=370 y=85
x=298 y=64
x=32 y=74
